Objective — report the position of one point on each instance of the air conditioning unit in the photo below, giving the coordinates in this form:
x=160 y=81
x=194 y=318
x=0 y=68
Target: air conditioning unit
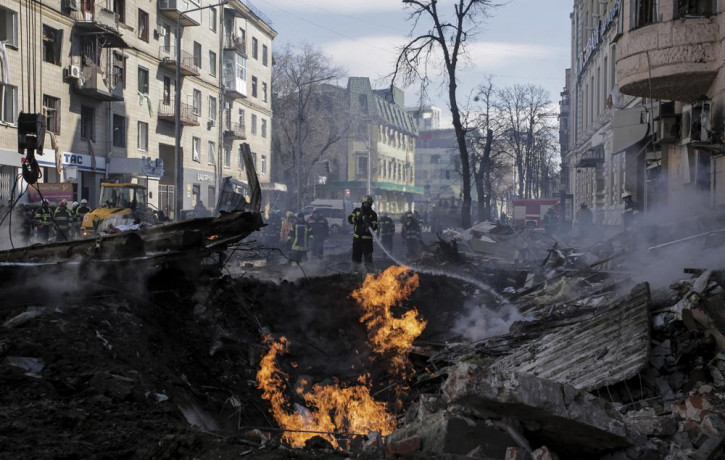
x=667 y=129
x=161 y=32
x=696 y=122
x=211 y=123
x=72 y=72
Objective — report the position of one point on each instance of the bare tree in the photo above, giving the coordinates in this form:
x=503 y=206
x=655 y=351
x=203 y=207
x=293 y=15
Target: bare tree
x=443 y=39
x=308 y=117
x=525 y=111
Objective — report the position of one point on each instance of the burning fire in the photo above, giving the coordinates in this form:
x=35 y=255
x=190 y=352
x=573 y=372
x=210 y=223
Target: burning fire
x=390 y=336
x=329 y=408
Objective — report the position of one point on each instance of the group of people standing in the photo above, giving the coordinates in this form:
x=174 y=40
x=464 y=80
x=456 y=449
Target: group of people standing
x=584 y=218
x=297 y=235
x=42 y=223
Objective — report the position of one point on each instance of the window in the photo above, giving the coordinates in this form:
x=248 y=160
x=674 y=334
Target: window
x=264 y=127
x=211 y=197
x=167 y=38
x=254 y=124
x=242 y=66
x=143 y=136
x=119 y=70
x=264 y=92
x=52 y=111
x=119 y=131
x=254 y=86
x=212 y=63
x=52 y=39
x=196 y=148
x=196 y=102
x=88 y=122
x=167 y=90
x=143 y=80
x=362 y=165
x=8 y=103
x=263 y=165
x=363 y=100
x=241 y=117
x=197 y=54
x=255 y=48
x=9 y=26
x=644 y=12
x=119 y=7
x=212 y=108
x=212 y=19
x=265 y=52
x=212 y=153
x=241 y=158
x=694 y=8
x=227 y=156
x=143 y=25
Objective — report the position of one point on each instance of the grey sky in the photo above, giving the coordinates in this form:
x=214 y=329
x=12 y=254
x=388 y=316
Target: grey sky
x=525 y=41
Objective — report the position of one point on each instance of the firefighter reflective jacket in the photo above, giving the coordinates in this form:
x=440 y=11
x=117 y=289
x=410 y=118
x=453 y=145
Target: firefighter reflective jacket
x=386 y=226
x=411 y=230
x=42 y=217
x=302 y=236
x=364 y=220
x=63 y=218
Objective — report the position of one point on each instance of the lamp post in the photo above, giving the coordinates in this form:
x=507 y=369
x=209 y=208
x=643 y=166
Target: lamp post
x=177 y=111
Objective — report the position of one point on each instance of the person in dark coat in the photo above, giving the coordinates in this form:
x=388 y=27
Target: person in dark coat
x=320 y=231
x=301 y=236
x=411 y=235
x=386 y=230
x=364 y=221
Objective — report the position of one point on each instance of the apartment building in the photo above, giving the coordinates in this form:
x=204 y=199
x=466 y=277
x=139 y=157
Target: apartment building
x=380 y=158
x=600 y=162
x=426 y=118
x=104 y=73
x=670 y=52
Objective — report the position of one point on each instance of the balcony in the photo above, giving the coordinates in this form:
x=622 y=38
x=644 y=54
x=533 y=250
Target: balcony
x=92 y=83
x=167 y=58
x=100 y=21
x=234 y=131
x=232 y=42
x=681 y=55
x=174 y=9
x=167 y=113
x=234 y=76
x=592 y=158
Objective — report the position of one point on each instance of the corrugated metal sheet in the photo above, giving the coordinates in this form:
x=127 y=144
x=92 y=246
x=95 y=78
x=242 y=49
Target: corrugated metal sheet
x=608 y=347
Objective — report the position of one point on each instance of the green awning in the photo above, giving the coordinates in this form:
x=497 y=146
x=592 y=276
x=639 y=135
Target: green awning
x=376 y=186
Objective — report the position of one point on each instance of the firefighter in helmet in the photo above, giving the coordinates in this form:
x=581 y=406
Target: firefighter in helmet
x=43 y=220
x=63 y=218
x=364 y=221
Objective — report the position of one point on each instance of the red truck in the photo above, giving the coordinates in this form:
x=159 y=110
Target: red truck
x=532 y=211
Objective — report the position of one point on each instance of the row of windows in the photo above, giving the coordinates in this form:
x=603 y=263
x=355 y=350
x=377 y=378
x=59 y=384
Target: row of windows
x=261 y=166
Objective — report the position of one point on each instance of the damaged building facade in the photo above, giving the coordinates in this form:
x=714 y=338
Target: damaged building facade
x=104 y=75
x=646 y=99
x=380 y=157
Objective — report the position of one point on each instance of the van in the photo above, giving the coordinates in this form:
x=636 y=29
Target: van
x=335 y=211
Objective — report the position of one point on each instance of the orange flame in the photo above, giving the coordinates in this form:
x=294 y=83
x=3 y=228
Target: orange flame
x=329 y=408
x=389 y=335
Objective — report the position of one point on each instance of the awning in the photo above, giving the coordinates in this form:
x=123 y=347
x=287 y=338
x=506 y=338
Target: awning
x=630 y=127
x=389 y=186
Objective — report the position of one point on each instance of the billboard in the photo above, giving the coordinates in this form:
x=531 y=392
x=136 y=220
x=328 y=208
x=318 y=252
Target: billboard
x=53 y=192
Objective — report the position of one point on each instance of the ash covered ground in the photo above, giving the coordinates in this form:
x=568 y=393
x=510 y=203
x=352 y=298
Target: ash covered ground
x=165 y=367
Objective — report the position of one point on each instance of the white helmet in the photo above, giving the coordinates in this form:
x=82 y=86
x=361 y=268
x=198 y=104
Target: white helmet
x=84 y=201
x=75 y=204
x=626 y=194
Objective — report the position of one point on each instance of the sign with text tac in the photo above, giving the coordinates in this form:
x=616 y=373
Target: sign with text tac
x=53 y=192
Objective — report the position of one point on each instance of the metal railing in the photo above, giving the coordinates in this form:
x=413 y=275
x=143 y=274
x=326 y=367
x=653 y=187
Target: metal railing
x=168 y=55
x=167 y=110
x=234 y=129
x=233 y=41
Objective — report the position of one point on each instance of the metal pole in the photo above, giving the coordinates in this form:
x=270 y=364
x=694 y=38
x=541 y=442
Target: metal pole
x=177 y=126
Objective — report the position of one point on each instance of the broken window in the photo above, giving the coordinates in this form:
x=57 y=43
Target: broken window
x=143 y=80
x=196 y=148
x=643 y=13
x=695 y=8
x=196 y=102
x=212 y=153
x=88 y=120
x=9 y=26
x=254 y=86
x=119 y=131
x=52 y=40
x=52 y=113
x=143 y=25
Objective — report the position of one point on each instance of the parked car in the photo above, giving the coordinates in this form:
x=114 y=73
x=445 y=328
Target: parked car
x=335 y=211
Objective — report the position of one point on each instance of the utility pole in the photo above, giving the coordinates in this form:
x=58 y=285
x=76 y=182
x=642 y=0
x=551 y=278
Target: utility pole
x=177 y=112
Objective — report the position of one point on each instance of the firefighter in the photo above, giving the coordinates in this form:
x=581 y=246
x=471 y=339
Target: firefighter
x=285 y=231
x=274 y=227
x=43 y=221
x=82 y=210
x=411 y=235
x=386 y=230
x=631 y=210
x=364 y=221
x=584 y=219
x=75 y=227
x=320 y=230
x=301 y=236
x=23 y=221
x=63 y=219
x=551 y=221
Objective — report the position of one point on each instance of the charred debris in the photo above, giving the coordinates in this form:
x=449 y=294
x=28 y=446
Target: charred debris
x=169 y=343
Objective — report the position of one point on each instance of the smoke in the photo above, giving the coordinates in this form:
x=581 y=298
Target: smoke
x=669 y=237
x=479 y=321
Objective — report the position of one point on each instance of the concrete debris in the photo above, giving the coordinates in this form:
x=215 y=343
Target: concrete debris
x=591 y=424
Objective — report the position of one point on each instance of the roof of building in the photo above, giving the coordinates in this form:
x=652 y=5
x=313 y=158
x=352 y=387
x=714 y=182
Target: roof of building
x=380 y=104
